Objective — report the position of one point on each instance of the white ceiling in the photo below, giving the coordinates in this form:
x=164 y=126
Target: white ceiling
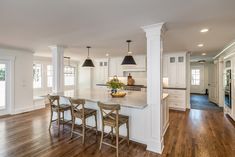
x=107 y=24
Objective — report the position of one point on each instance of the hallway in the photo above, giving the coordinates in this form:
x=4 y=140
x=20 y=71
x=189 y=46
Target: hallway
x=201 y=102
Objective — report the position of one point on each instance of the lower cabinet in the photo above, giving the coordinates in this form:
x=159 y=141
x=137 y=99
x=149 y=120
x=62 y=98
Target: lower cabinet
x=165 y=116
x=177 y=99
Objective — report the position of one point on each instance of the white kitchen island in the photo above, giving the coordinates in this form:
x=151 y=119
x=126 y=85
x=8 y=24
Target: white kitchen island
x=134 y=105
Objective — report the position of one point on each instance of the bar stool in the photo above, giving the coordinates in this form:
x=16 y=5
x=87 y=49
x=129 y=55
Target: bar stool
x=55 y=106
x=79 y=111
x=110 y=117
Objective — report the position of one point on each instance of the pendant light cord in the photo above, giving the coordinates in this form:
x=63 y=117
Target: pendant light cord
x=128 y=44
x=88 y=47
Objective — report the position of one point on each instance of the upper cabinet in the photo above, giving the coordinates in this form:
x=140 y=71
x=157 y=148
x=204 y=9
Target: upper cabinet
x=174 y=68
x=115 y=67
x=100 y=71
x=141 y=63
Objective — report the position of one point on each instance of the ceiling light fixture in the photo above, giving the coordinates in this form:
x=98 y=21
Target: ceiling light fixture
x=128 y=59
x=204 y=30
x=88 y=62
x=107 y=55
x=200 y=45
x=202 y=61
x=203 y=54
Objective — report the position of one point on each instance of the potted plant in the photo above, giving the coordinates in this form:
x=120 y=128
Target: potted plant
x=115 y=84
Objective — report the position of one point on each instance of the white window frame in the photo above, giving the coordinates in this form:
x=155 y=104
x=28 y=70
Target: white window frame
x=196 y=77
x=41 y=75
x=66 y=73
x=47 y=75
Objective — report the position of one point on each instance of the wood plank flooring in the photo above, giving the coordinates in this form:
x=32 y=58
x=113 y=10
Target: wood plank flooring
x=194 y=133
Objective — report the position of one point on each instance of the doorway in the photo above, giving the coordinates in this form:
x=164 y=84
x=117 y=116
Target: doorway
x=204 y=86
x=4 y=87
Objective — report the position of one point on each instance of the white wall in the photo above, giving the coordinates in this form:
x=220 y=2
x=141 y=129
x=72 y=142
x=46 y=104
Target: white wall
x=23 y=82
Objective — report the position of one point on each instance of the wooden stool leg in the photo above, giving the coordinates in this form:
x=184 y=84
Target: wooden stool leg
x=112 y=133
x=83 y=130
x=127 y=128
x=63 y=119
x=73 y=122
x=96 y=129
x=117 y=139
x=102 y=136
x=51 y=120
x=58 y=121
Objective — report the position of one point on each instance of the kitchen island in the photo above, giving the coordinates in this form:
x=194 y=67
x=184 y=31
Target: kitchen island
x=134 y=105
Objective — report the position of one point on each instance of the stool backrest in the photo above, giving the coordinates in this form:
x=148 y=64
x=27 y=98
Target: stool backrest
x=108 y=110
x=76 y=103
x=54 y=100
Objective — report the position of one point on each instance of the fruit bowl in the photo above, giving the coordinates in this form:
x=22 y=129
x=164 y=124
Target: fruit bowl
x=118 y=94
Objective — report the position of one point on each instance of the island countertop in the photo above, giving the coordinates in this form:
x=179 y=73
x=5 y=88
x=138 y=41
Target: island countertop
x=133 y=99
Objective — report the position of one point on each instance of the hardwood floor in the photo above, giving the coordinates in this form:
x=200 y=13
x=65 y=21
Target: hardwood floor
x=194 y=133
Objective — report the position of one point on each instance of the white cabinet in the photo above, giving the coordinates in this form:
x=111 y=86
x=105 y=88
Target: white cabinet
x=141 y=64
x=164 y=116
x=177 y=99
x=100 y=71
x=174 y=67
x=115 y=67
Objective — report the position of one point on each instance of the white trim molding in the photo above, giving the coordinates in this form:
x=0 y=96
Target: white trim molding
x=154 y=34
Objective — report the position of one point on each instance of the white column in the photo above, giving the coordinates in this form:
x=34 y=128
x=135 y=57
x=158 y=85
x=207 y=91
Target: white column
x=58 y=68
x=154 y=84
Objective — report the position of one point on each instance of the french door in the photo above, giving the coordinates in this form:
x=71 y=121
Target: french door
x=4 y=87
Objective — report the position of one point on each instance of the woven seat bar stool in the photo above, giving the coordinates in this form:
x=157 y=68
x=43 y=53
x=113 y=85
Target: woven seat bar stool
x=79 y=111
x=55 y=106
x=110 y=117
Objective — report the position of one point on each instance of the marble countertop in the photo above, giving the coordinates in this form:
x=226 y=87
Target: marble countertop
x=133 y=99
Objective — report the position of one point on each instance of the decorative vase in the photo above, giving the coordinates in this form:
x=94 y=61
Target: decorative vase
x=114 y=91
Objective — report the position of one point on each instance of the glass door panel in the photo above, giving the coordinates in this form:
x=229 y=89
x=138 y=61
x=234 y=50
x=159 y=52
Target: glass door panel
x=2 y=86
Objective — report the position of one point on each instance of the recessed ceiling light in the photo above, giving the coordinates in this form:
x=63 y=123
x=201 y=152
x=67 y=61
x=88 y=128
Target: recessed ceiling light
x=200 y=45
x=203 y=54
x=204 y=30
x=107 y=55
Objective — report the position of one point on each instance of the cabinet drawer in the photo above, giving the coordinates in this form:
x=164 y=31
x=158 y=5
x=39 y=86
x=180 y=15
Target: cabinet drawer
x=176 y=92
x=175 y=104
x=179 y=100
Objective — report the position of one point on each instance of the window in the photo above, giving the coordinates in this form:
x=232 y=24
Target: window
x=37 y=75
x=49 y=75
x=195 y=77
x=69 y=76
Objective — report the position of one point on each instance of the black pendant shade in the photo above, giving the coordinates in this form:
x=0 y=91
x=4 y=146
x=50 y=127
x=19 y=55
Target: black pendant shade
x=128 y=60
x=88 y=62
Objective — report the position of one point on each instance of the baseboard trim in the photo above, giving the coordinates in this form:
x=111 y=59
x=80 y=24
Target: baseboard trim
x=28 y=109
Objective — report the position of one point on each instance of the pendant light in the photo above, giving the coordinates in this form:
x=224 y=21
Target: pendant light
x=88 y=62
x=128 y=59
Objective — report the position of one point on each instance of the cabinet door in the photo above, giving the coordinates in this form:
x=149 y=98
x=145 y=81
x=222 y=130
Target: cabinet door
x=119 y=69
x=115 y=67
x=171 y=71
x=165 y=66
x=181 y=72
x=112 y=67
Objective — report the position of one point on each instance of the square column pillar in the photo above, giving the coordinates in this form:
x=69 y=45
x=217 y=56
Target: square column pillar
x=58 y=68
x=154 y=84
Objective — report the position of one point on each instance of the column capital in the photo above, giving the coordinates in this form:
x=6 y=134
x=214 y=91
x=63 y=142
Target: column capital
x=155 y=29
x=56 y=46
